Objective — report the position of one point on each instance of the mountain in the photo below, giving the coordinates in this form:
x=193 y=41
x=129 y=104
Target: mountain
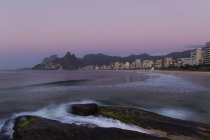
x=49 y=59
x=143 y=56
x=69 y=61
x=99 y=59
x=102 y=59
x=184 y=54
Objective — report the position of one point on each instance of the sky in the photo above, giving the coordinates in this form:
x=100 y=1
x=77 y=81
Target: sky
x=33 y=29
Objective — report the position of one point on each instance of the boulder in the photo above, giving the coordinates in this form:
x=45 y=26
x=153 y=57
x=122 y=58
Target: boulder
x=84 y=109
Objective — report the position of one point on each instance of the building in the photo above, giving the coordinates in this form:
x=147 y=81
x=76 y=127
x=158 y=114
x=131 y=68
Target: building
x=138 y=63
x=197 y=56
x=186 y=61
x=158 y=64
x=127 y=65
x=133 y=65
x=116 y=65
x=177 y=62
x=167 y=61
x=207 y=54
x=147 y=64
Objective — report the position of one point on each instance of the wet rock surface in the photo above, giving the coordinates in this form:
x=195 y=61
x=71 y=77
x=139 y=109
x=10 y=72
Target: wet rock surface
x=84 y=109
x=35 y=128
x=160 y=127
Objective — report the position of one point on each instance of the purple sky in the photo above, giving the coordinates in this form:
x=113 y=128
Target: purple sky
x=31 y=30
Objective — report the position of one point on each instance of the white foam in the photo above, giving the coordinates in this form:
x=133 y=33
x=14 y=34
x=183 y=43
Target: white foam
x=157 y=82
x=8 y=130
x=175 y=113
x=1 y=123
x=59 y=113
x=167 y=82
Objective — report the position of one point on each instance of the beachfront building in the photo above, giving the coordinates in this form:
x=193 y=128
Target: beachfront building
x=186 y=61
x=177 y=62
x=158 y=64
x=117 y=65
x=138 y=63
x=147 y=64
x=127 y=65
x=207 y=54
x=133 y=65
x=197 y=56
x=167 y=61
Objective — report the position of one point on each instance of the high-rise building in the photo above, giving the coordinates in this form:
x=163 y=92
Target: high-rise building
x=116 y=65
x=158 y=63
x=197 y=56
x=147 y=64
x=133 y=65
x=127 y=65
x=207 y=54
x=138 y=63
x=186 y=61
x=167 y=61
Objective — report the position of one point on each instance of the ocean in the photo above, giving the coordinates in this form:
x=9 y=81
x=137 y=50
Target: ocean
x=183 y=95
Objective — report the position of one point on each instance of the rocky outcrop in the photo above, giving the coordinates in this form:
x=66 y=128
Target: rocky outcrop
x=159 y=125
x=35 y=128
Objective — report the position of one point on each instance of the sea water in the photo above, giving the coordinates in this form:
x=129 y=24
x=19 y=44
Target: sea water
x=48 y=93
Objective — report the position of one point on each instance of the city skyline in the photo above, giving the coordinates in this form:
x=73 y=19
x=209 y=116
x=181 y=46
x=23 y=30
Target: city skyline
x=31 y=30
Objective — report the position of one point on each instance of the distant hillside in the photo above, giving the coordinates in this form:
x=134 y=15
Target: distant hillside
x=99 y=59
x=49 y=59
x=184 y=54
x=102 y=59
x=69 y=61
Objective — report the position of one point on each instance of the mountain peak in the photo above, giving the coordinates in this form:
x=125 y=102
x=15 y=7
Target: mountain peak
x=67 y=54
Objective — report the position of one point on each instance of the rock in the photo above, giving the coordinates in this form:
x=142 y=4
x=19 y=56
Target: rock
x=36 y=128
x=160 y=125
x=84 y=109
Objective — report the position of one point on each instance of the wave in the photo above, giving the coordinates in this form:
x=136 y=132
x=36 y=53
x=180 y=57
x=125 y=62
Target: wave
x=65 y=83
x=165 y=83
x=156 y=82
x=1 y=123
x=60 y=113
